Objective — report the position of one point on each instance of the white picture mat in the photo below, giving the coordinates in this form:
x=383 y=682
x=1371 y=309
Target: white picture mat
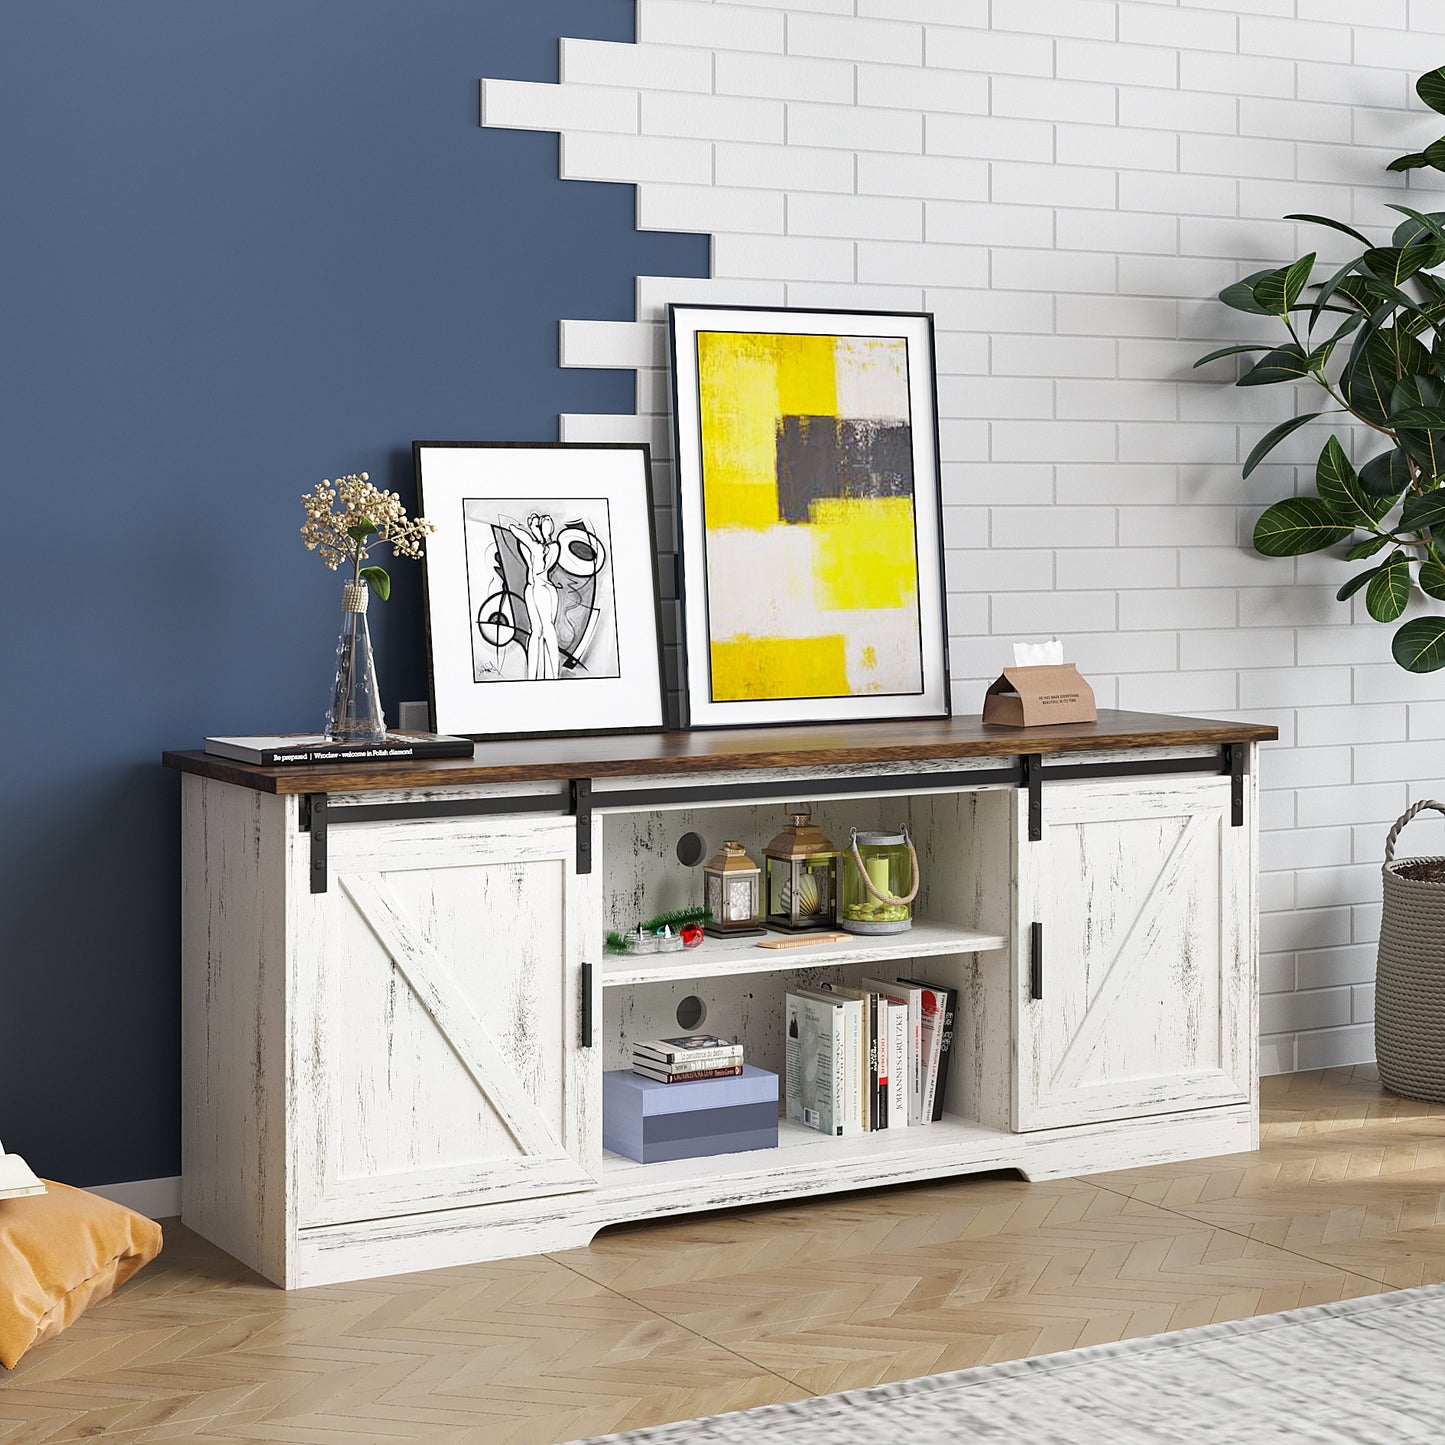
x=917 y=331
x=448 y=476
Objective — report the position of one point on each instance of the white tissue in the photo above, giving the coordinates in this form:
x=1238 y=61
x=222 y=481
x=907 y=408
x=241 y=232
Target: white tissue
x=1038 y=654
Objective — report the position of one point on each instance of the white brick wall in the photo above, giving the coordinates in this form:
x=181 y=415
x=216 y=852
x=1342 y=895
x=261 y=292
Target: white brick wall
x=1065 y=184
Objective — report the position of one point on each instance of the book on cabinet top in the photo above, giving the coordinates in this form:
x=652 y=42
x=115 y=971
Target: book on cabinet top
x=16 y=1177
x=273 y=750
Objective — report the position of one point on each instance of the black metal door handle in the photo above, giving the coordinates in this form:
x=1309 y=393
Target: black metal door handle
x=1036 y=960
x=587 y=1031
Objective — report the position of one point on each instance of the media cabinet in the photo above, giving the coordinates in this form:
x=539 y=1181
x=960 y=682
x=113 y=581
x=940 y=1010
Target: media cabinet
x=397 y=1009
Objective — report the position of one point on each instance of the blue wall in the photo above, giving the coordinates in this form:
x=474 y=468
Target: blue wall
x=244 y=246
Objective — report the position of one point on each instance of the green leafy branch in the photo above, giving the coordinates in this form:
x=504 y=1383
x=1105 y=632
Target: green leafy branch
x=1389 y=379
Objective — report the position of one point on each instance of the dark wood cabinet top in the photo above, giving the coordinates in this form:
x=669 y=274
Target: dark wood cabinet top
x=534 y=760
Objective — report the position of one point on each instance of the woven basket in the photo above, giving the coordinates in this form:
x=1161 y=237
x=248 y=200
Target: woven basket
x=1410 y=978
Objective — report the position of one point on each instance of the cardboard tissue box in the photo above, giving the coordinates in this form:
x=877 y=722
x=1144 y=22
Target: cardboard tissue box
x=1040 y=688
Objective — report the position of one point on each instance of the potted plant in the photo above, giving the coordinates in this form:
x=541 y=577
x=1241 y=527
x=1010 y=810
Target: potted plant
x=1371 y=339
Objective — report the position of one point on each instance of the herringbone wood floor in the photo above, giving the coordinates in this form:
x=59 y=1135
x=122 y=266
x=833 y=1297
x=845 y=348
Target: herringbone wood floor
x=651 y=1323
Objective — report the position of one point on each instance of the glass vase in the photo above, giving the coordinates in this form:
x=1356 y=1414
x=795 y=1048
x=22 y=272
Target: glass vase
x=355 y=715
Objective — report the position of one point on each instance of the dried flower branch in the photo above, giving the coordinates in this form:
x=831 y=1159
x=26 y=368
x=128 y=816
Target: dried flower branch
x=367 y=516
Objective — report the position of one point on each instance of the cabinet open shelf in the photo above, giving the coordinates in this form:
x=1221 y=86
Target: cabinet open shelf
x=964 y=1139
x=727 y=957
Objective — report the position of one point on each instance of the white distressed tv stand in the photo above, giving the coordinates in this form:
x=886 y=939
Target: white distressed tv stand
x=397 y=1009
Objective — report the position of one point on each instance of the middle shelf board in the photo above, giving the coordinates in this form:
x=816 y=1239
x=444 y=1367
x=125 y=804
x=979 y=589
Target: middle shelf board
x=724 y=957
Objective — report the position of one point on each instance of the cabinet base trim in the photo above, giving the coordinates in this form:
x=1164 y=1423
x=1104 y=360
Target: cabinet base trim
x=334 y=1254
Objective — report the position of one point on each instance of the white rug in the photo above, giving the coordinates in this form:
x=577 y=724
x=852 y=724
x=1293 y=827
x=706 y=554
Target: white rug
x=1360 y=1372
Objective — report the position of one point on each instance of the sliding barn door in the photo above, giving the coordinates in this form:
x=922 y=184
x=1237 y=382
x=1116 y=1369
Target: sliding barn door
x=1133 y=953
x=437 y=1018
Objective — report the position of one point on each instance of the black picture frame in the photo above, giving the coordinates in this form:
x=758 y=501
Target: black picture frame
x=631 y=700
x=684 y=321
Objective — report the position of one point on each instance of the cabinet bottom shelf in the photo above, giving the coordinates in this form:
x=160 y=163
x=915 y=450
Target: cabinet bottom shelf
x=808 y=1149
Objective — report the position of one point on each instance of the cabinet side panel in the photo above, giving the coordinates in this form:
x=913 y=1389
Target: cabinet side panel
x=233 y=1074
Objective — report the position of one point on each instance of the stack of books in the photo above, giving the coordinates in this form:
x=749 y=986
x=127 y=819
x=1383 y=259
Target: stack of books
x=688 y=1058
x=869 y=1058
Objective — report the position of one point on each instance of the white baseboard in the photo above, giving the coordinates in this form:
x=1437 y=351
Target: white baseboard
x=155 y=1198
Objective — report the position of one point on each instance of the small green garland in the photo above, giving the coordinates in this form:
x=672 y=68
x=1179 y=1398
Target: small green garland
x=677 y=919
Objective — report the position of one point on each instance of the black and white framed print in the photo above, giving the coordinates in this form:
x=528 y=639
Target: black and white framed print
x=810 y=515
x=541 y=587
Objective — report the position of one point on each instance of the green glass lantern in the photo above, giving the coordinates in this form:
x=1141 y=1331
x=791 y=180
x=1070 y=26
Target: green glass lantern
x=877 y=882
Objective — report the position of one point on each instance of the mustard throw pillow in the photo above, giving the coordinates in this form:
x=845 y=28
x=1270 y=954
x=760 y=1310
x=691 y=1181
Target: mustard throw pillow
x=60 y=1253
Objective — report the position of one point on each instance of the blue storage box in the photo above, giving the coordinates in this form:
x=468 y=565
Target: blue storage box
x=650 y=1121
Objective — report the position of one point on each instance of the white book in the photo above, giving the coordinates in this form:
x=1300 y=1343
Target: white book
x=816 y=1060
x=854 y=1063
x=897 y=1033
x=858 y=1070
x=17 y=1179
x=912 y=997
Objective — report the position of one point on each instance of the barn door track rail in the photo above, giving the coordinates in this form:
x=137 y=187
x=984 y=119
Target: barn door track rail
x=1028 y=771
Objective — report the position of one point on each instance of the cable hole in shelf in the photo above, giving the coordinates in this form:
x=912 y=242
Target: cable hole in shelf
x=691 y=1013
x=691 y=849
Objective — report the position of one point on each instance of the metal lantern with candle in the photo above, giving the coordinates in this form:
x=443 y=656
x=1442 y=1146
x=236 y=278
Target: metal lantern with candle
x=731 y=890
x=801 y=867
x=877 y=882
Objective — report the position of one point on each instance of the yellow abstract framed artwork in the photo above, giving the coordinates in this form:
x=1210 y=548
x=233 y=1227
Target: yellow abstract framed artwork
x=809 y=515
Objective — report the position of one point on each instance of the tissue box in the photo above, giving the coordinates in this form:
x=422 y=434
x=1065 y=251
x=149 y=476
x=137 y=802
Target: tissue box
x=1025 y=697
x=649 y=1121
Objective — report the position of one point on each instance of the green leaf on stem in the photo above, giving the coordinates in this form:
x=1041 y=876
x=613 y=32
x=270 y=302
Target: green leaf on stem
x=1417 y=227
x=1434 y=154
x=1419 y=645
x=1240 y=295
x=1394 y=264
x=361 y=529
x=1334 y=225
x=1335 y=283
x=1297 y=525
x=1411 y=162
x=1432 y=578
x=1367 y=548
x=1340 y=490
x=377 y=579
x=1349 y=589
x=1432 y=284
x=1232 y=351
x=1428 y=318
x=1273 y=438
x=1379 y=356
x=1417 y=417
x=1423 y=513
x=1284 y=363
x=1389 y=589
x=1278 y=290
x=1386 y=475
x=1431 y=89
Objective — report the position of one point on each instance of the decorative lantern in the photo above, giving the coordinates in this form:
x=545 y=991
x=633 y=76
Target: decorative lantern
x=731 y=885
x=801 y=868
x=877 y=883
